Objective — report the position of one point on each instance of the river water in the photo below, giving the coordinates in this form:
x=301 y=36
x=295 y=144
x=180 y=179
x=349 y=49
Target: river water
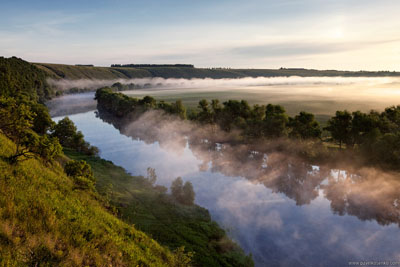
x=305 y=216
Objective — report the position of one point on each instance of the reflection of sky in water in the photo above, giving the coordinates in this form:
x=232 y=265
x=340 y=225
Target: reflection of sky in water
x=267 y=224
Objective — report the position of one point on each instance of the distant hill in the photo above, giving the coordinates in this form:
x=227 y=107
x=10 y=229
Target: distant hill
x=175 y=71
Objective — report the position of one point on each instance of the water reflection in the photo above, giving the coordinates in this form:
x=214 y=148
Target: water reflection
x=354 y=194
x=72 y=104
x=280 y=209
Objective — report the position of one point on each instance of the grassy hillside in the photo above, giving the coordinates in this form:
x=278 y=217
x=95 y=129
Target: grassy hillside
x=86 y=72
x=52 y=215
x=20 y=78
x=172 y=224
x=46 y=221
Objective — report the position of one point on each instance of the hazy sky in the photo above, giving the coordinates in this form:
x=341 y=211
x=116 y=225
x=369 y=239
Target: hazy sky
x=322 y=34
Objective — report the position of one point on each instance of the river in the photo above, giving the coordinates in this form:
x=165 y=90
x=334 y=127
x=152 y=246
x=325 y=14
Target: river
x=305 y=216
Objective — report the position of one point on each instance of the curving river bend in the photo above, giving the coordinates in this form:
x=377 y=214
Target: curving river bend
x=304 y=216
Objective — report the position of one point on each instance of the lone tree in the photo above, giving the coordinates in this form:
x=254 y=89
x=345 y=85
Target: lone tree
x=183 y=193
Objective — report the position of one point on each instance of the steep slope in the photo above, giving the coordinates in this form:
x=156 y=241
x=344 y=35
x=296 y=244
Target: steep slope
x=18 y=77
x=45 y=221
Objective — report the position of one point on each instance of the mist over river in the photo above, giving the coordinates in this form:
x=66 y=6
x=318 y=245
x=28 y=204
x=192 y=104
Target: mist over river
x=305 y=216
x=322 y=96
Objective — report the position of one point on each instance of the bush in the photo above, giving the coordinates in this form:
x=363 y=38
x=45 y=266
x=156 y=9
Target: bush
x=81 y=172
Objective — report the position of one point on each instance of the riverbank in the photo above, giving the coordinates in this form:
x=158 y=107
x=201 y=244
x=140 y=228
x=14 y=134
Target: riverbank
x=152 y=210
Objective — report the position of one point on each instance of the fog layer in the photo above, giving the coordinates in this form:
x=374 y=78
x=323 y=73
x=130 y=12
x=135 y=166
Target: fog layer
x=319 y=95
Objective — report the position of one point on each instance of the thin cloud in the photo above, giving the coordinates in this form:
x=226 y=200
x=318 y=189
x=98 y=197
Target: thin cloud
x=288 y=49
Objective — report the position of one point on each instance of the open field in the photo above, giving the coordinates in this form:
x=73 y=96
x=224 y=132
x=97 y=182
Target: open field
x=321 y=99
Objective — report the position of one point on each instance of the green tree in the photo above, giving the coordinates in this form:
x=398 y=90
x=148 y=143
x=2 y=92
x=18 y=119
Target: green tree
x=183 y=193
x=180 y=109
x=188 y=194
x=42 y=121
x=362 y=125
x=65 y=131
x=15 y=118
x=205 y=115
x=385 y=151
x=304 y=126
x=148 y=102
x=390 y=120
x=177 y=188
x=81 y=172
x=67 y=134
x=118 y=86
x=275 y=121
x=47 y=148
x=216 y=109
x=340 y=127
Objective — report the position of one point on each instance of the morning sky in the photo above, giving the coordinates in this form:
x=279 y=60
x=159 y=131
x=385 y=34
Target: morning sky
x=321 y=34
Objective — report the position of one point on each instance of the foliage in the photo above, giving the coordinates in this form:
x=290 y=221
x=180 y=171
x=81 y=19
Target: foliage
x=45 y=222
x=68 y=135
x=169 y=222
x=358 y=131
x=47 y=147
x=188 y=194
x=275 y=121
x=42 y=121
x=17 y=122
x=121 y=105
x=304 y=126
x=340 y=127
x=183 y=193
x=20 y=78
x=81 y=172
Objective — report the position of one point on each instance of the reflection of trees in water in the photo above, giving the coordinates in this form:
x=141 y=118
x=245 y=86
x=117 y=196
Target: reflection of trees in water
x=366 y=193
x=369 y=196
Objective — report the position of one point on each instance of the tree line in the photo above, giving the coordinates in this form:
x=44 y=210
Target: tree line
x=152 y=65
x=375 y=136
x=120 y=105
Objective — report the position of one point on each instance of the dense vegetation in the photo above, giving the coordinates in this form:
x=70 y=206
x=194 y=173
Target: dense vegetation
x=18 y=78
x=172 y=220
x=86 y=72
x=372 y=137
x=48 y=219
x=58 y=211
x=121 y=105
x=50 y=212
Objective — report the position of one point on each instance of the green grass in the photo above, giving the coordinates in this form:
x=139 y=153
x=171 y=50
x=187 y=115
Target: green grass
x=158 y=215
x=45 y=221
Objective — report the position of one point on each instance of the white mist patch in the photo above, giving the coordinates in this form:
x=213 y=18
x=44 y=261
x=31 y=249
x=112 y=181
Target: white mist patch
x=65 y=84
x=319 y=95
